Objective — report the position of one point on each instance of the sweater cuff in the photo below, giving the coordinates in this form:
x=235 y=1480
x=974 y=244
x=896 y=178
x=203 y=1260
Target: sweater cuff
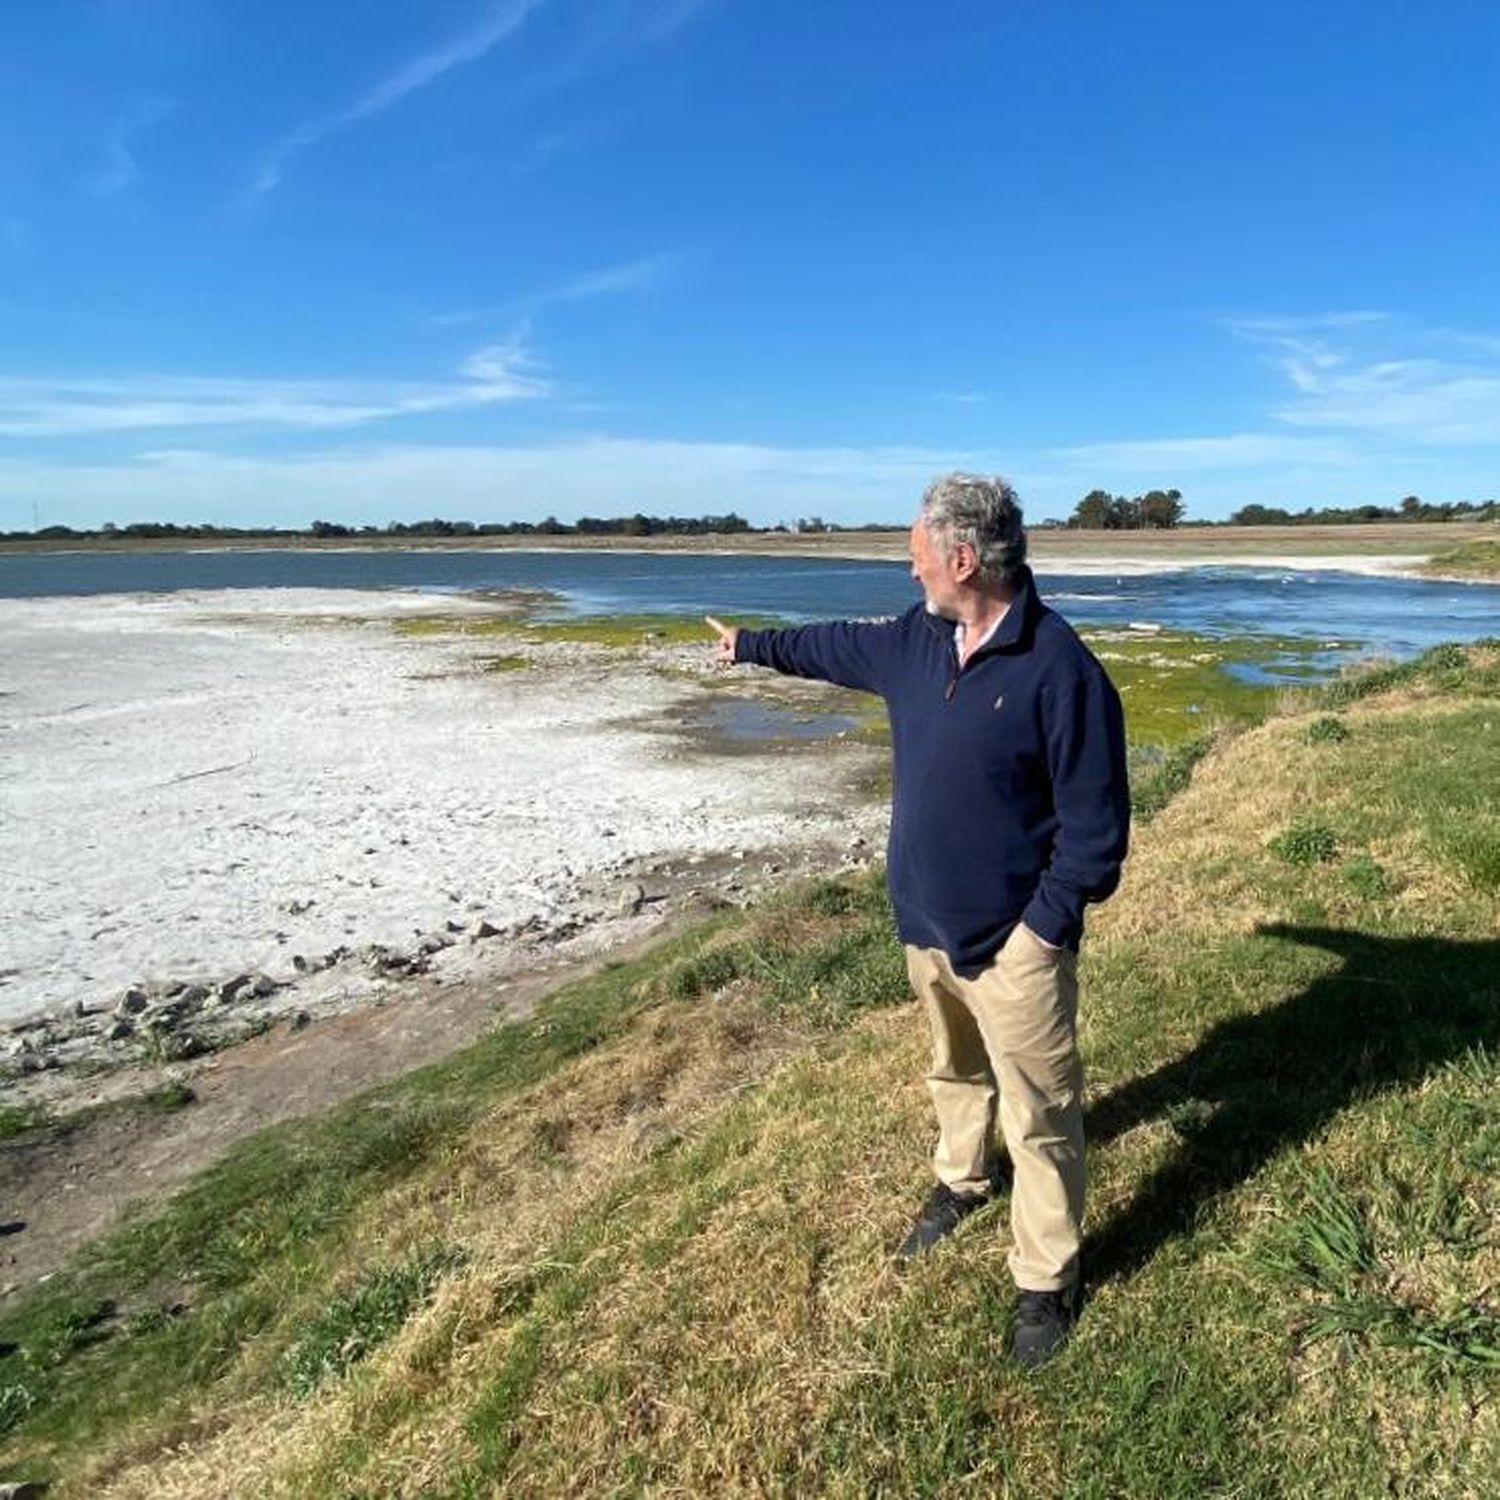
x=1059 y=928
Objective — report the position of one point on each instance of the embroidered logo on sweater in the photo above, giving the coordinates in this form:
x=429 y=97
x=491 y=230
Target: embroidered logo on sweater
x=1000 y=698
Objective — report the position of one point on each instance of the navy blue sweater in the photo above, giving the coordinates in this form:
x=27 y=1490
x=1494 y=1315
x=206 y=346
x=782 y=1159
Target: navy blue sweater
x=1010 y=800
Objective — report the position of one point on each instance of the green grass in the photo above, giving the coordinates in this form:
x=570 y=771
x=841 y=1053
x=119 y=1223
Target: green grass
x=1305 y=842
x=1157 y=776
x=358 y=1321
x=1294 y=1124
x=1327 y=730
x=1479 y=559
x=16 y=1120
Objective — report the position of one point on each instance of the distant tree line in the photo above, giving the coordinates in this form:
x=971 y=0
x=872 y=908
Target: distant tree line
x=636 y=525
x=1156 y=510
x=1099 y=510
x=1412 y=508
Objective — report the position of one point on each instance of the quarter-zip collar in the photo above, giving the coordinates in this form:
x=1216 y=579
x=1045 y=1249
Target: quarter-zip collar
x=1014 y=627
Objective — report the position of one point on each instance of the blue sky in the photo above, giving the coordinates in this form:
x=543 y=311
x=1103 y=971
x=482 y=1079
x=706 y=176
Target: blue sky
x=492 y=259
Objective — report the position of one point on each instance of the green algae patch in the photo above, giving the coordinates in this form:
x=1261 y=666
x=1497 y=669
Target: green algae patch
x=1176 y=686
x=420 y=626
x=631 y=631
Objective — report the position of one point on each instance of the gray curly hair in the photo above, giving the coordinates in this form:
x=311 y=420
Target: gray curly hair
x=982 y=510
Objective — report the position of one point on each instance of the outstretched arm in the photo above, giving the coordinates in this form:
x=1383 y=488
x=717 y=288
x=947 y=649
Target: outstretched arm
x=851 y=653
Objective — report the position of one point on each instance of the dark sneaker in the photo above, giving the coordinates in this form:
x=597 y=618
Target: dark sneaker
x=1043 y=1322
x=940 y=1216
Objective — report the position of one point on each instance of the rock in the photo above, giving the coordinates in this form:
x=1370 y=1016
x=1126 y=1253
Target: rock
x=132 y=1002
x=454 y=926
x=178 y=1046
x=434 y=942
x=232 y=987
x=192 y=996
x=480 y=930
x=118 y=1030
x=263 y=984
x=632 y=897
x=302 y=965
x=298 y=1020
x=79 y=1009
x=21 y=1489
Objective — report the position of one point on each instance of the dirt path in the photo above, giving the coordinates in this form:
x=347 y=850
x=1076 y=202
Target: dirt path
x=63 y=1187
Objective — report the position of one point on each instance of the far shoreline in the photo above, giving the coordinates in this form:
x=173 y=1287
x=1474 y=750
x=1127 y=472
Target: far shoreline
x=1390 y=549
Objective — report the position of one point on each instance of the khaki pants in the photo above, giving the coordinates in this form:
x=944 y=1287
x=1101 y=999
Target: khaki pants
x=1007 y=1037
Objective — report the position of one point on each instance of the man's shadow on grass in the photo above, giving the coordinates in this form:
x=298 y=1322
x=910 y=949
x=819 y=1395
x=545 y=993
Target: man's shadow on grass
x=1396 y=1010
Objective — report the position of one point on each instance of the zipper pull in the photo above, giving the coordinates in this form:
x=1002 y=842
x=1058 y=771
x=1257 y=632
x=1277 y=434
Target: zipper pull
x=951 y=689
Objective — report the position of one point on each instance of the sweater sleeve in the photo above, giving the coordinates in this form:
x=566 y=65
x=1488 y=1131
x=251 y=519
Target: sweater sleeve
x=851 y=653
x=1085 y=745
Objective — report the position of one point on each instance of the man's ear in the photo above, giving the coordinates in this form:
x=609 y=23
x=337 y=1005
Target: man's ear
x=965 y=563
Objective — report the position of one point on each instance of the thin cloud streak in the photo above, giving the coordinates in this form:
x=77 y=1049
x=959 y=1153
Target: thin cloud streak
x=1179 y=455
x=120 y=171
x=502 y=22
x=631 y=276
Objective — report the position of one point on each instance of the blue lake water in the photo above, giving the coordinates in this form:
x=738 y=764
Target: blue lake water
x=1342 y=614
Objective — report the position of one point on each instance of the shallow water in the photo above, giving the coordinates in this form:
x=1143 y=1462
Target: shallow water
x=1344 y=614
x=747 y=721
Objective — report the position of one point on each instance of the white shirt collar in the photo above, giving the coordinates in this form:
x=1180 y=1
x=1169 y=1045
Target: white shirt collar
x=959 y=634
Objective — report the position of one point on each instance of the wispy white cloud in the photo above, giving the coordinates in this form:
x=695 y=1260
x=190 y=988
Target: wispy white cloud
x=1424 y=401
x=1374 y=374
x=119 y=170
x=961 y=398
x=77 y=405
x=630 y=276
x=663 y=17
x=1300 y=325
x=500 y=23
x=1197 y=455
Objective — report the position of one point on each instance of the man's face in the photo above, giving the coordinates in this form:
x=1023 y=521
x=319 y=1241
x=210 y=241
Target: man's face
x=940 y=573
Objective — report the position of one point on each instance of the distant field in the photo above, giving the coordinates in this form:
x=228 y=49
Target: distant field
x=1413 y=539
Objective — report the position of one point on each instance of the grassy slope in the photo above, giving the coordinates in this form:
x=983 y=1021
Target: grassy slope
x=1479 y=559
x=642 y=1243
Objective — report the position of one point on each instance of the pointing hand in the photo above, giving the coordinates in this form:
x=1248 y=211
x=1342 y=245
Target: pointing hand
x=727 y=634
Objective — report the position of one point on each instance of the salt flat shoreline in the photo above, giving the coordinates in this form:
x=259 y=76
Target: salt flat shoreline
x=274 y=791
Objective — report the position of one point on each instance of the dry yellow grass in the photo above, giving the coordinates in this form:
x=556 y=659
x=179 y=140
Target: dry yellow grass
x=712 y=1200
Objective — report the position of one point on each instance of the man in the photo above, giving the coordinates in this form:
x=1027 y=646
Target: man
x=1010 y=811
